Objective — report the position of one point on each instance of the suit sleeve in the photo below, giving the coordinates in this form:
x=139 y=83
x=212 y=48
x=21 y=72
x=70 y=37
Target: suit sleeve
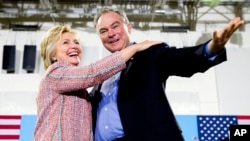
x=184 y=61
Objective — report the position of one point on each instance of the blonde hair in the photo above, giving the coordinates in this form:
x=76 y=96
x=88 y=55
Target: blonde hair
x=49 y=40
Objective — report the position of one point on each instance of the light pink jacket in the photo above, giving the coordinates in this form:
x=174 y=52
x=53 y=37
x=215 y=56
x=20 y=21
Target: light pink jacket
x=64 y=114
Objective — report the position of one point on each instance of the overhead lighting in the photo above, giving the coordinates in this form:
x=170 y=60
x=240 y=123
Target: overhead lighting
x=175 y=28
x=10 y=10
x=20 y=27
x=77 y=10
x=168 y=12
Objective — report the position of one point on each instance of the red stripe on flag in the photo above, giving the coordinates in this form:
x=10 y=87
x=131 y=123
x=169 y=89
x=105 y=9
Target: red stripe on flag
x=10 y=117
x=9 y=126
x=244 y=117
x=9 y=137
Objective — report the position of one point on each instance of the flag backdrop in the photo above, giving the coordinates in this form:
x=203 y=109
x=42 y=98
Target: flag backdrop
x=209 y=127
x=194 y=127
x=17 y=127
x=10 y=127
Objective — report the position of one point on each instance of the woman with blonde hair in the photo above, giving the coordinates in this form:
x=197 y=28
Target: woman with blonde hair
x=64 y=112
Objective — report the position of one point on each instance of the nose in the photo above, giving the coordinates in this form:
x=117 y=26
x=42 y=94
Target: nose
x=75 y=45
x=111 y=33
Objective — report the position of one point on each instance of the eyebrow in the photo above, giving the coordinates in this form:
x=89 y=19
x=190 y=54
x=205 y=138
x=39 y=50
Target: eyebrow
x=62 y=40
x=104 y=28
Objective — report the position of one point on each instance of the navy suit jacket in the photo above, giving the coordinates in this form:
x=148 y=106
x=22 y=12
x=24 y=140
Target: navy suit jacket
x=144 y=109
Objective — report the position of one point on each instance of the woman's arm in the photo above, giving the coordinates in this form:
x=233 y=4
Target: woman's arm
x=128 y=52
x=70 y=78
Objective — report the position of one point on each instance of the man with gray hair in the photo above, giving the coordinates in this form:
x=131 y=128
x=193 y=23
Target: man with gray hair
x=132 y=105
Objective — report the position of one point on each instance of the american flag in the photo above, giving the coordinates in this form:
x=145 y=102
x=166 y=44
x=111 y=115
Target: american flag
x=10 y=127
x=216 y=128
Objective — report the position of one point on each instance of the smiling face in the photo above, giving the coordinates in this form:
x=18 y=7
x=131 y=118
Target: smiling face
x=68 y=49
x=113 y=31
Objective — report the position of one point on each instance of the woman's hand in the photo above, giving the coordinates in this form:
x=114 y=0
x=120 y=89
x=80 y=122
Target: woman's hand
x=145 y=45
x=128 y=52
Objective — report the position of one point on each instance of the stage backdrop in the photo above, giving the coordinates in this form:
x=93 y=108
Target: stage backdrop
x=194 y=127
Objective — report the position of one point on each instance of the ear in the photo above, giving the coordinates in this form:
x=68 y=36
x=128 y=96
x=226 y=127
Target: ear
x=129 y=26
x=54 y=59
x=53 y=56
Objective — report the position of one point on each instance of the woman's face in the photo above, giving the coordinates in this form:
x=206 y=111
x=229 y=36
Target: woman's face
x=68 y=49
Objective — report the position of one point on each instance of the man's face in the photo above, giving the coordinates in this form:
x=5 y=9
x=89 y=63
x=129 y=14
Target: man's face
x=113 y=31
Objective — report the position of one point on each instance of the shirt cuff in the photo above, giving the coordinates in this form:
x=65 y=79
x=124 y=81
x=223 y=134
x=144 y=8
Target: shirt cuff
x=209 y=55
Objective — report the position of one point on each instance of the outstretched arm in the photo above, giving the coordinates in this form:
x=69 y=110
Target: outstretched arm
x=221 y=37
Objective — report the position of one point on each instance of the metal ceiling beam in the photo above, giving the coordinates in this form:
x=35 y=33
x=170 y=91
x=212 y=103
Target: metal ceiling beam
x=143 y=11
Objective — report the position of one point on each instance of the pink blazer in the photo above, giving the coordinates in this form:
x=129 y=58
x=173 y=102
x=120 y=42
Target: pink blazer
x=64 y=114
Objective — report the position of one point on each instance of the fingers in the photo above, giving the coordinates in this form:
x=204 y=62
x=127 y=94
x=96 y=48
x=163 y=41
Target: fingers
x=155 y=42
x=215 y=36
x=234 y=24
x=237 y=22
x=151 y=42
x=221 y=38
x=229 y=29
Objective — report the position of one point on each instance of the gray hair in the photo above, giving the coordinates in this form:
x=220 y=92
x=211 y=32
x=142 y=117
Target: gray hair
x=107 y=10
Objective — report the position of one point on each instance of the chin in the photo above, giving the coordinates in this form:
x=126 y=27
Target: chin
x=116 y=49
x=75 y=63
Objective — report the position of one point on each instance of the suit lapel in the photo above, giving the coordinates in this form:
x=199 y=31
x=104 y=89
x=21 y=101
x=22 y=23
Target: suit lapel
x=129 y=64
